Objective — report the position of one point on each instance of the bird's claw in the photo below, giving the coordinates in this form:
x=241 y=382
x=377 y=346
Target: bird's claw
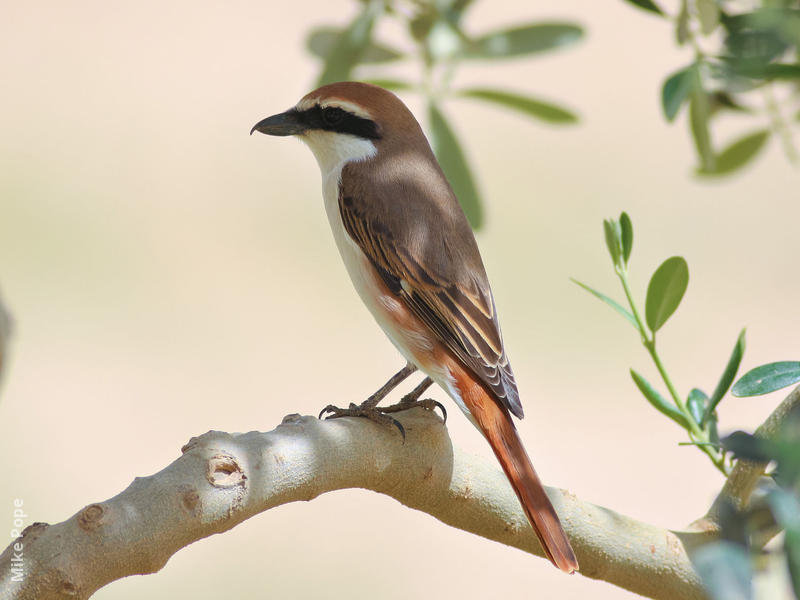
x=376 y=415
x=427 y=404
x=335 y=411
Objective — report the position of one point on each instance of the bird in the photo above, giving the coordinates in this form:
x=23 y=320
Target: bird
x=414 y=261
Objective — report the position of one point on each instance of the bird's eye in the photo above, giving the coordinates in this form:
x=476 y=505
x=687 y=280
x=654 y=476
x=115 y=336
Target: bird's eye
x=332 y=115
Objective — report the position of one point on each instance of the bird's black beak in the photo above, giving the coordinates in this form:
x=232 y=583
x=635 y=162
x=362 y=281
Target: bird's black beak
x=286 y=123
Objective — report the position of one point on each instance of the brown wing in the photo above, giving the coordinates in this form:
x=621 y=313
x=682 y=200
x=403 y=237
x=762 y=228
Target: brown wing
x=429 y=258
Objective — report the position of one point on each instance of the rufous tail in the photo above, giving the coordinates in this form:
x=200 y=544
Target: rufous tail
x=498 y=428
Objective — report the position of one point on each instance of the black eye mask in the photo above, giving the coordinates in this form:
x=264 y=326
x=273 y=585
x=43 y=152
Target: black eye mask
x=333 y=118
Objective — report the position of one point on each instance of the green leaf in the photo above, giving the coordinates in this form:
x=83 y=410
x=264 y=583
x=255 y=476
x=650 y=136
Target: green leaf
x=657 y=400
x=665 y=291
x=713 y=431
x=454 y=164
x=749 y=447
x=708 y=15
x=676 y=90
x=723 y=100
x=351 y=45
x=627 y=236
x=782 y=71
x=617 y=307
x=421 y=24
x=391 y=84
x=791 y=544
x=647 y=5
x=528 y=106
x=520 y=41
x=613 y=241
x=682 y=24
x=767 y=378
x=696 y=403
x=322 y=40
x=453 y=10
x=725 y=570
x=755 y=43
x=762 y=70
x=739 y=153
x=787 y=452
x=698 y=444
x=727 y=378
x=786 y=508
x=699 y=115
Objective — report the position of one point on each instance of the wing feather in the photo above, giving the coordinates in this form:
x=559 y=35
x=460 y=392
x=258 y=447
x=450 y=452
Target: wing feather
x=438 y=274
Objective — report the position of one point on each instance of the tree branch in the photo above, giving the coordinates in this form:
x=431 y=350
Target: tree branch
x=223 y=479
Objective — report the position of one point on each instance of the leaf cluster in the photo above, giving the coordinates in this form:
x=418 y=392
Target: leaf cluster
x=437 y=40
x=696 y=412
x=745 y=58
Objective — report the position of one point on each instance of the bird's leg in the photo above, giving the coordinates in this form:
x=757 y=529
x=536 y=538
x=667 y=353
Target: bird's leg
x=411 y=400
x=368 y=408
x=387 y=387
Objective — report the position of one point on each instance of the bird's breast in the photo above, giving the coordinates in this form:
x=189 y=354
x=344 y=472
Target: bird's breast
x=386 y=308
x=413 y=339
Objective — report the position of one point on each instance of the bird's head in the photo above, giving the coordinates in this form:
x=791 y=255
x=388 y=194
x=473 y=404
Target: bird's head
x=346 y=121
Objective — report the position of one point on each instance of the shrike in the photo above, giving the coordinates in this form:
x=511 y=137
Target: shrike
x=412 y=257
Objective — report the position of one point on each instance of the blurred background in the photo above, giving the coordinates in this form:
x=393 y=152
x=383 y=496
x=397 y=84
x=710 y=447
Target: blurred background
x=168 y=274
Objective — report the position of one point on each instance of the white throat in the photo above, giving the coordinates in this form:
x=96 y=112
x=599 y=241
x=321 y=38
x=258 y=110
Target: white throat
x=334 y=150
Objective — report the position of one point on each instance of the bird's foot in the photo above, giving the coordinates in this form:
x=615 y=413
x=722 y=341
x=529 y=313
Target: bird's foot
x=410 y=402
x=366 y=410
x=369 y=409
